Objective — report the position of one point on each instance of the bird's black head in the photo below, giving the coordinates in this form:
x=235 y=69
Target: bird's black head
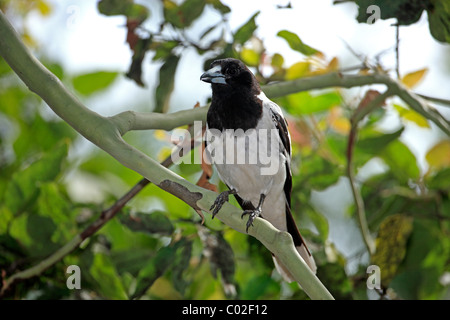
x=230 y=74
x=235 y=103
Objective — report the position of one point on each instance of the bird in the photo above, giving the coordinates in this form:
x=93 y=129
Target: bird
x=245 y=129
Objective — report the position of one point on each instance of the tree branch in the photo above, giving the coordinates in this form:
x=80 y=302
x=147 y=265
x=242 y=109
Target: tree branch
x=337 y=79
x=106 y=134
x=131 y=120
x=443 y=102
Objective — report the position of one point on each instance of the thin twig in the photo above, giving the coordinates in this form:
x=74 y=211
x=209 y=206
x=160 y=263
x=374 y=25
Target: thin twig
x=397 y=56
x=440 y=101
x=358 y=115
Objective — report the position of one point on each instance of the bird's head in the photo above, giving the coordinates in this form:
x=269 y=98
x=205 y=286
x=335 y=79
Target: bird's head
x=230 y=74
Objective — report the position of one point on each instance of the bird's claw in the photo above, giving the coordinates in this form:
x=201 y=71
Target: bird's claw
x=252 y=215
x=218 y=203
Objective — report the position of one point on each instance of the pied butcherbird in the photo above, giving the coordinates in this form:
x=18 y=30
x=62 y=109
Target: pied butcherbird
x=244 y=117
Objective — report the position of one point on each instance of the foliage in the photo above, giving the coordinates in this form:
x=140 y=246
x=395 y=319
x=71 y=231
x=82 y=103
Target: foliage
x=156 y=247
x=407 y=12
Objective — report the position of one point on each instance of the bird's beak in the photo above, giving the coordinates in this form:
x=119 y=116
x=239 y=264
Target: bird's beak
x=214 y=75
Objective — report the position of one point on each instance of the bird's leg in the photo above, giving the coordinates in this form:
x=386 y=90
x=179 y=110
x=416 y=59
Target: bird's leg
x=254 y=213
x=220 y=200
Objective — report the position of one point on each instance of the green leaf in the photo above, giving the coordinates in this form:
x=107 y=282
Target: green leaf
x=7 y=217
x=401 y=161
x=114 y=7
x=318 y=173
x=23 y=188
x=41 y=230
x=156 y=267
x=90 y=83
x=38 y=135
x=374 y=143
x=182 y=16
x=179 y=266
x=191 y=10
x=296 y=43
x=10 y=249
x=139 y=51
x=218 y=5
x=405 y=11
x=335 y=279
x=155 y=222
x=245 y=32
x=172 y=13
x=440 y=180
x=53 y=203
x=34 y=233
x=428 y=249
x=277 y=61
x=163 y=49
x=259 y=286
x=439 y=20
x=391 y=242
x=297 y=70
x=250 y=57
x=121 y=238
x=127 y=8
x=166 y=84
x=131 y=261
x=303 y=103
x=106 y=278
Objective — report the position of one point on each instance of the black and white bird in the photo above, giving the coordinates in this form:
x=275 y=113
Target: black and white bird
x=248 y=127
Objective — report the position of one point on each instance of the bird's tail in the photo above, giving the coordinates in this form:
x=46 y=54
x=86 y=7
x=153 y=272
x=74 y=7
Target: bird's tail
x=306 y=256
x=299 y=244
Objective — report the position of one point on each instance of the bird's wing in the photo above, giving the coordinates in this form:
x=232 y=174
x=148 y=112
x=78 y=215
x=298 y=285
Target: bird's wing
x=285 y=139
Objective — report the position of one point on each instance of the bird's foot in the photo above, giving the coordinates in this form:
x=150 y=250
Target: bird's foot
x=252 y=215
x=220 y=200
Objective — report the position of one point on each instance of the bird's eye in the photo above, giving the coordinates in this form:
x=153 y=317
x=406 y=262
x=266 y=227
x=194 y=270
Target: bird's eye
x=232 y=71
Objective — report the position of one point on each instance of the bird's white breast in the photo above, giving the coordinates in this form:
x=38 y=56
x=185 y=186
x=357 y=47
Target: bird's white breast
x=251 y=163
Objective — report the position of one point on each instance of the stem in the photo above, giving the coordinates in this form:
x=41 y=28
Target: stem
x=359 y=202
x=358 y=115
x=397 y=55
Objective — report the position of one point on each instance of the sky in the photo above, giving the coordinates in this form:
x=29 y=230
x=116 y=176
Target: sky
x=83 y=40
